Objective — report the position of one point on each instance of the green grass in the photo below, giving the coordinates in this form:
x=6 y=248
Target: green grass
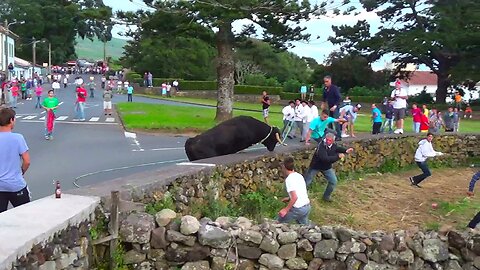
x=180 y=119
x=93 y=50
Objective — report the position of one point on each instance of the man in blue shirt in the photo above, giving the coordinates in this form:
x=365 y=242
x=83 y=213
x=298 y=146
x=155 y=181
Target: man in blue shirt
x=376 y=118
x=129 y=93
x=14 y=162
x=332 y=99
x=319 y=125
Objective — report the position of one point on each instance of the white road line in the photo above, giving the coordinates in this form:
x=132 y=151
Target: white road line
x=71 y=122
x=43 y=112
x=42 y=118
x=30 y=117
x=94 y=119
x=18 y=116
x=110 y=119
x=196 y=164
x=60 y=103
x=61 y=118
x=162 y=149
x=133 y=136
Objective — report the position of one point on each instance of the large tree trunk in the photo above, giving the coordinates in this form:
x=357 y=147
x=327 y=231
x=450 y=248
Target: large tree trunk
x=225 y=72
x=442 y=86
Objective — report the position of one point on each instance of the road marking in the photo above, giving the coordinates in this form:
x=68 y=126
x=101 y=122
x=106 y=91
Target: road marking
x=71 y=122
x=42 y=118
x=162 y=149
x=43 y=112
x=196 y=164
x=94 y=119
x=61 y=118
x=29 y=117
x=133 y=136
x=110 y=119
x=60 y=103
x=18 y=116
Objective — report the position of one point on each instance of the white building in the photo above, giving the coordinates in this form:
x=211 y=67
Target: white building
x=7 y=49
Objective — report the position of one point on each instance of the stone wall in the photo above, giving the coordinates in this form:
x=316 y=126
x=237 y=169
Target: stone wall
x=227 y=180
x=168 y=241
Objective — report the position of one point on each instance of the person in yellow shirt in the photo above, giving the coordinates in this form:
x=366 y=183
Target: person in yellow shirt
x=425 y=110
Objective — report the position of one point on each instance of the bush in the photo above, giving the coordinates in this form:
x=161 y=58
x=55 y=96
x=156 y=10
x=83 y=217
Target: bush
x=197 y=85
x=366 y=99
x=421 y=98
x=256 y=90
x=292 y=86
x=158 y=81
x=365 y=91
x=289 y=96
x=131 y=76
x=260 y=79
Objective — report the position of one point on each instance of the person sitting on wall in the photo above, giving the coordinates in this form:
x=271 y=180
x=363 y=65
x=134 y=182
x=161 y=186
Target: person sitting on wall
x=298 y=207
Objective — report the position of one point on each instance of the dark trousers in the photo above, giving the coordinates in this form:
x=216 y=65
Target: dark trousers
x=129 y=97
x=376 y=127
x=336 y=126
x=15 y=198
x=473 y=223
x=425 y=172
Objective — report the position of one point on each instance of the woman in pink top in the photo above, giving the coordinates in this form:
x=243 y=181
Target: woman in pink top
x=14 y=95
x=38 y=93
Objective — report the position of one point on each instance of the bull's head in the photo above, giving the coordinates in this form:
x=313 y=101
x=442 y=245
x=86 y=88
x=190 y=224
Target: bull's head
x=273 y=139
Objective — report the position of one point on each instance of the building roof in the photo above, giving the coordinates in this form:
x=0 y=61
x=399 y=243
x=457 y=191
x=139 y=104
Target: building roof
x=421 y=78
x=3 y=30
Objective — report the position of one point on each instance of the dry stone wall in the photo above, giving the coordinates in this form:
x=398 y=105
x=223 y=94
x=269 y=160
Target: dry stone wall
x=170 y=241
x=228 y=182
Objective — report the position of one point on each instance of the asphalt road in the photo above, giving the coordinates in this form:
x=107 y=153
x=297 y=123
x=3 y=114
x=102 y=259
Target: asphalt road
x=88 y=152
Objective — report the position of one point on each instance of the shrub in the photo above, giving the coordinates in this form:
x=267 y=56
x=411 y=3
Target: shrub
x=131 y=76
x=421 y=98
x=260 y=79
x=292 y=86
x=158 y=81
x=256 y=90
x=365 y=91
x=198 y=85
x=366 y=99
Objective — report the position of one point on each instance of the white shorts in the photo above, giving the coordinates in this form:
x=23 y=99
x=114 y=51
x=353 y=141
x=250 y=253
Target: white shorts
x=107 y=105
x=265 y=113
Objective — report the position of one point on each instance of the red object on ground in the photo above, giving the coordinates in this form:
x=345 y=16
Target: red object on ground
x=50 y=119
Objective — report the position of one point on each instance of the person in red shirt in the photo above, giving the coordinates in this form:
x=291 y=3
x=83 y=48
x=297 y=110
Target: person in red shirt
x=424 y=124
x=14 y=90
x=417 y=118
x=80 y=103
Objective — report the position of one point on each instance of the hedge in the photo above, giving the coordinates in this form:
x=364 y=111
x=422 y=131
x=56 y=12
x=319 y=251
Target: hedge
x=289 y=96
x=256 y=90
x=366 y=99
x=158 y=81
x=131 y=76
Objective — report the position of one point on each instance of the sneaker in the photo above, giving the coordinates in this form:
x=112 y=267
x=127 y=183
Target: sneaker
x=345 y=135
x=411 y=180
x=83 y=119
x=290 y=137
x=400 y=131
x=47 y=138
x=327 y=199
x=397 y=131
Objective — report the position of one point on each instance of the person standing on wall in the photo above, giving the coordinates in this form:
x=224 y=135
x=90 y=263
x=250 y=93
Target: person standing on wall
x=298 y=207
x=303 y=92
x=399 y=94
x=14 y=162
x=474 y=222
x=331 y=101
x=326 y=153
x=265 y=106
x=424 y=151
x=311 y=92
x=298 y=119
x=376 y=119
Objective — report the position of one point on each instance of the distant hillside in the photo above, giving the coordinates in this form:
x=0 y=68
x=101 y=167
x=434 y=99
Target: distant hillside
x=93 y=50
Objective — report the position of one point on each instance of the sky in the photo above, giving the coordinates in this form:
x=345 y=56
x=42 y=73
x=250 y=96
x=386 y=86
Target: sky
x=320 y=29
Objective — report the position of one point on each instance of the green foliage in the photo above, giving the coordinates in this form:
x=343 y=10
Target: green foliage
x=260 y=79
x=58 y=22
x=432 y=226
x=366 y=99
x=365 y=91
x=259 y=204
x=215 y=208
x=165 y=203
x=421 y=98
x=292 y=86
x=98 y=227
x=256 y=90
x=157 y=82
x=289 y=96
x=132 y=76
x=197 y=85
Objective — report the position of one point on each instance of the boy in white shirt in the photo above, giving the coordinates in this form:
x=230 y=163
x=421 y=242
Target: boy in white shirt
x=424 y=151
x=288 y=114
x=313 y=109
x=298 y=119
x=298 y=207
x=307 y=118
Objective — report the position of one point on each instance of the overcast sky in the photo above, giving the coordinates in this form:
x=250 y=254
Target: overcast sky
x=318 y=48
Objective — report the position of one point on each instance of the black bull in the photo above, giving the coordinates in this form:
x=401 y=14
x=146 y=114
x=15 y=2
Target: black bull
x=230 y=137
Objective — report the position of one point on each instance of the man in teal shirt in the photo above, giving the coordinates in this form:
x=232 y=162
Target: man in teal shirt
x=129 y=93
x=319 y=125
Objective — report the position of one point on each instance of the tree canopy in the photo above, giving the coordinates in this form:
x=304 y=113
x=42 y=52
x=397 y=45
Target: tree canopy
x=420 y=32
x=277 y=22
x=57 y=22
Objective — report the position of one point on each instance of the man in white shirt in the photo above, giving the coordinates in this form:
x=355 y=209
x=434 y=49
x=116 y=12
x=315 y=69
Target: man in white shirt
x=288 y=114
x=298 y=119
x=349 y=113
x=423 y=152
x=313 y=109
x=399 y=94
x=55 y=86
x=298 y=207
x=307 y=118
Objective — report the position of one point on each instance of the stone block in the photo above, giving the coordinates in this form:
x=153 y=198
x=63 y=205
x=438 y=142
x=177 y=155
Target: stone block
x=158 y=240
x=189 y=225
x=288 y=251
x=200 y=265
x=271 y=261
x=325 y=249
x=137 y=227
x=249 y=252
x=269 y=244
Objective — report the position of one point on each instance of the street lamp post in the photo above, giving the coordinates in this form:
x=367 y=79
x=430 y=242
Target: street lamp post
x=7 y=25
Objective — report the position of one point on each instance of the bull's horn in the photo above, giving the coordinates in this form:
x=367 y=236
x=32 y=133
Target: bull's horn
x=278 y=138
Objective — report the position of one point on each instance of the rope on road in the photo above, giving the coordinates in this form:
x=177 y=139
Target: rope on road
x=76 y=180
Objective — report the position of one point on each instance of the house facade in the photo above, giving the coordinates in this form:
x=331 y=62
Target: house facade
x=7 y=51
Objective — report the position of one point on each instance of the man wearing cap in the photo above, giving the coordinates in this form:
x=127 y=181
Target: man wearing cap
x=399 y=95
x=349 y=113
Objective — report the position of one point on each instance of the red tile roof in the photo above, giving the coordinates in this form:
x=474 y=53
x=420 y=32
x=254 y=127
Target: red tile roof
x=421 y=78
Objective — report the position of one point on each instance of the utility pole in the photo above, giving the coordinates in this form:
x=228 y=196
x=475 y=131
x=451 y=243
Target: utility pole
x=7 y=73
x=34 y=47
x=49 y=57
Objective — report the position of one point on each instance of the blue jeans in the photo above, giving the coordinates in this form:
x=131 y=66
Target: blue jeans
x=416 y=127
x=80 y=108
x=38 y=105
x=300 y=215
x=329 y=175
x=425 y=172
x=14 y=101
x=388 y=123
x=336 y=126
